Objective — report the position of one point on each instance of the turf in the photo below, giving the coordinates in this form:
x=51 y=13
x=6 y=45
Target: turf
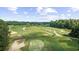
x=38 y=38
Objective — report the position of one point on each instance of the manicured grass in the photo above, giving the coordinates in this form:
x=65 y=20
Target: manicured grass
x=45 y=38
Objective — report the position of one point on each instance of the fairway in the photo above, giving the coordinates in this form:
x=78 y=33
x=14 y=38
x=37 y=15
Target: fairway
x=39 y=38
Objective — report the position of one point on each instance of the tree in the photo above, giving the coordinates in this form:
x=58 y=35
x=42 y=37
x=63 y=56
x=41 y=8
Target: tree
x=3 y=35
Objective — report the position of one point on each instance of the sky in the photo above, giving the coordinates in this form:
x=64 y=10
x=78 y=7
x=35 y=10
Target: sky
x=38 y=14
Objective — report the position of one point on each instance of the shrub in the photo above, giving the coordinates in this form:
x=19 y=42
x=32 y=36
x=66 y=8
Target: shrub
x=3 y=35
x=74 y=33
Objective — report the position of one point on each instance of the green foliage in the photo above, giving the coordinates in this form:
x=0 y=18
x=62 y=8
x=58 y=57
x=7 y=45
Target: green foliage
x=28 y=23
x=3 y=35
x=70 y=24
x=66 y=23
x=74 y=33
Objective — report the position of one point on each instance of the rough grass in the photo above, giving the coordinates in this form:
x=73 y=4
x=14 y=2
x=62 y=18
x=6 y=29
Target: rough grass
x=45 y=39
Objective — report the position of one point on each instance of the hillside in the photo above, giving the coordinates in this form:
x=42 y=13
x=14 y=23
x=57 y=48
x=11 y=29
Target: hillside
x=38 y=38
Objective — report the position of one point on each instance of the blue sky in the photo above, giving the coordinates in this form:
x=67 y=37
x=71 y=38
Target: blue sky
x=38 y=14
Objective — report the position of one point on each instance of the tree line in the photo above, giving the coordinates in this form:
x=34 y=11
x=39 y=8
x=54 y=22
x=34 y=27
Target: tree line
x=65 y=23
x=28 y=23
x=72 y=24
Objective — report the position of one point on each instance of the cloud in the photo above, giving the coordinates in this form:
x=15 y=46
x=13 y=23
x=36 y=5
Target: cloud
x=52 y=17
x=15 y=12
x=62 y=16
x=49 y=17
x=25 y=13
x=68 y=15
x=13 y=9
x=75 y=9
x=45 y=11
x=50 y=10
x=69 y=10
x=56 y=17
x=39 y=9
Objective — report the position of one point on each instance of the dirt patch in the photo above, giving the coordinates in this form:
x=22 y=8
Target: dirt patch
x=17 y=44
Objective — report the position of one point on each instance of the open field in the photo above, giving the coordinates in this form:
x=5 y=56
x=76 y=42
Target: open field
x=37 y=38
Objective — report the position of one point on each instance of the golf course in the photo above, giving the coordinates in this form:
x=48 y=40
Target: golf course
x=39 y=38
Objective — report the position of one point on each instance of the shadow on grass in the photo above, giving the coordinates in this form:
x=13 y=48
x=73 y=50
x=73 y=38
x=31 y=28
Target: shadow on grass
x=37 y=35
x=73 y=42
x=40 y=37
x=72 y=38
x=51 y=43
